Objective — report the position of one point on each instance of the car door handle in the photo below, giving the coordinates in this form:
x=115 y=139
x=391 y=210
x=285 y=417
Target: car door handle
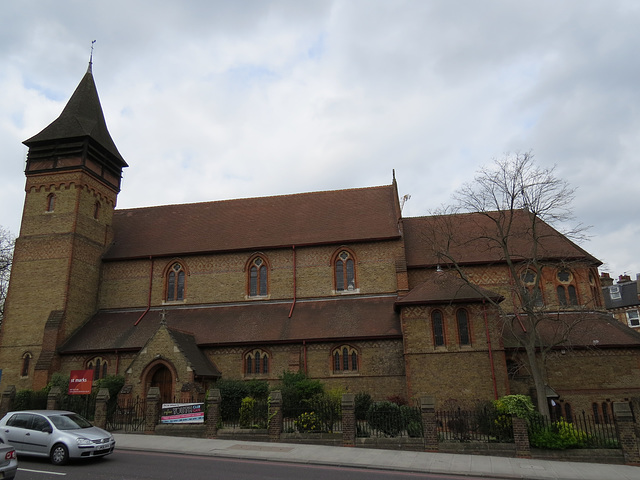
x=27 y=434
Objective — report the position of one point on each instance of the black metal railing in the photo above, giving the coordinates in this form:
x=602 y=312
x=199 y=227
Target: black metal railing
x=482 y=425
x=583 y=431
x=127 y=415
x=389 y=420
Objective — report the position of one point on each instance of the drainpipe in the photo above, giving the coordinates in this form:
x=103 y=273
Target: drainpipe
x=294 y=281
x=304 y=346
x=149 y=299
x=493 y=371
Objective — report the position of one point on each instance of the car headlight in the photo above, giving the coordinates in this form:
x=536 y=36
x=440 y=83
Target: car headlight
x=83 y=442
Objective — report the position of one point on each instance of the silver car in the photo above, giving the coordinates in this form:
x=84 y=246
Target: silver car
x=8 y=461
x=56 y=434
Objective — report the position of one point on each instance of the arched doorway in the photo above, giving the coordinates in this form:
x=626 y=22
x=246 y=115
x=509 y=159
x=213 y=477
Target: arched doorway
x=162 y=378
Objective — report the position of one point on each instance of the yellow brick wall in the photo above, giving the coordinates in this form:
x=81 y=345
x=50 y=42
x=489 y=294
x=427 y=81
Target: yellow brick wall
x=56 y=264
x=453 y=371
x=223 y=277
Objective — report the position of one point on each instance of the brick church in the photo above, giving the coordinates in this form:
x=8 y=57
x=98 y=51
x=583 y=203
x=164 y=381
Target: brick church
x=336 y=284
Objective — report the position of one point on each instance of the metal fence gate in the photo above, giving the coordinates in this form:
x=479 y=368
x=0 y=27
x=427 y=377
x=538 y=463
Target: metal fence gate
x=127 y=415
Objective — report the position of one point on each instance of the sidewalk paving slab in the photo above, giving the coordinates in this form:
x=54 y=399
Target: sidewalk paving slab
x=366 y=458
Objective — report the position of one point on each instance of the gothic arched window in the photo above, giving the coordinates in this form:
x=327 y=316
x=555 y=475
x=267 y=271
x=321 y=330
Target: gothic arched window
x=566 y=290
x=258 y=277
x=51 y=202
x=344 y=271
x=175 y=281
x=437 y=328
x=256 y=362
x=345 y=359
x=462 y=317
x=99 y=366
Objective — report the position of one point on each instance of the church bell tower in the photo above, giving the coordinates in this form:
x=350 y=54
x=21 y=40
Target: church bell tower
x=73 y=171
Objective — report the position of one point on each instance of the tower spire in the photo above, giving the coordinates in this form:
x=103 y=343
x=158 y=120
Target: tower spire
x=90 y=68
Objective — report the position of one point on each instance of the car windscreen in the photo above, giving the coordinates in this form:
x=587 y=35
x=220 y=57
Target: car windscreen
x=69 y=421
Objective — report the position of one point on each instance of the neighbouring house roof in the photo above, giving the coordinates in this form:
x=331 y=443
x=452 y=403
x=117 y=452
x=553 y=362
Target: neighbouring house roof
x=81 y=117
x=330 y=217
x=340 y=319
x=628 y=295
x=470 y=239
x=446 y=287
x=590 y=330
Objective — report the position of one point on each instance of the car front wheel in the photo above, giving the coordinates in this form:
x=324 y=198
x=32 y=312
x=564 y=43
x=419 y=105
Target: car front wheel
x=59 y=454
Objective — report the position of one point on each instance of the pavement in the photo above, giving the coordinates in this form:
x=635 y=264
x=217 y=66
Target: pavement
x=367 y=458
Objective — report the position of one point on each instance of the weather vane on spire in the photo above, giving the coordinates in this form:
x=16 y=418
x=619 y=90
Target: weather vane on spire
x=91 y=56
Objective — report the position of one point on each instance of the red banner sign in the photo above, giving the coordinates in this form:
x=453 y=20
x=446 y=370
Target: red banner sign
x=80 y=382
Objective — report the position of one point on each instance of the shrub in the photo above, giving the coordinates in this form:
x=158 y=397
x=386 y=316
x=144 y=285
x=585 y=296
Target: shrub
x=411 y=420
x=247 y=413
x=363 y=402
x=558 y=436
x=231 y=392
x=308 y=422
x=487 y=420
x=386 y=417
x=297 y=391
x=519 y=405
x=258 y=389
x=29 y=399
x=327 y=407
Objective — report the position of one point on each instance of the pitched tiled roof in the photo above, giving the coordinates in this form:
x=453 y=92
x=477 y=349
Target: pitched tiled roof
x=81 y=117
x=469 y=238
x=330 y=217
x=590 y=330
x=198 y=361
x=340 y=319
x=445 y=287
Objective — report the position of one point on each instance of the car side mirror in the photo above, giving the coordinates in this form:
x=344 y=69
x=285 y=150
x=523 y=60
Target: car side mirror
x=47 y=429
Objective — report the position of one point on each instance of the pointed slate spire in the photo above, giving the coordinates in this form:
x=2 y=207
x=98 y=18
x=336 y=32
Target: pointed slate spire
x=79 y=132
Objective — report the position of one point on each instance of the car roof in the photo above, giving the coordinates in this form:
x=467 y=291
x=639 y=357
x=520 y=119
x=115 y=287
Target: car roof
x=46 y=413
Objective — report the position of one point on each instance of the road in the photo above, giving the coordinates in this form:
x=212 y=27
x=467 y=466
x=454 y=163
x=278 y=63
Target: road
x=131 y=465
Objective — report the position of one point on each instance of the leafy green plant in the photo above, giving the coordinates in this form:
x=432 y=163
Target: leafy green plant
x=519 y=405
x=411 y=420
x=250 y=416
x=233 y=391
x=558 y=436
x=308 y=422
x=363 y=402
x=297 y=391
x=386 y=417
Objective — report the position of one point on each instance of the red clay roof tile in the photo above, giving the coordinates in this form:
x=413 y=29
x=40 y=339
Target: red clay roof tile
x=330 y=217
x=471 y=238
x=339 y=319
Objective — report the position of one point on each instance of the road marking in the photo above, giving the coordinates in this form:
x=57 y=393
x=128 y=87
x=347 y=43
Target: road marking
x=41 y=471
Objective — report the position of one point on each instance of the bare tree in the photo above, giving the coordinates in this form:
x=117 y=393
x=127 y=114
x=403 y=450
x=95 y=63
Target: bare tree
x=510 y=208
x=7 y=243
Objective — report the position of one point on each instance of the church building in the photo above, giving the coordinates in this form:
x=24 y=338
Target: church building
x=335 y=284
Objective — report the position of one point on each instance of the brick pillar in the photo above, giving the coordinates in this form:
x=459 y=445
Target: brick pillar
x=429 y=424
x=100 y=418
x=153 y=410
x=521 y=437
x=348 y=420
x=6 y=402
x=53 y=399
x=213 y=413
x=275 y=416
x=626 y=433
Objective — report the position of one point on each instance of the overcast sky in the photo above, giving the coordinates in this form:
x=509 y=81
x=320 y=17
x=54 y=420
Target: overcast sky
x=210 y=100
